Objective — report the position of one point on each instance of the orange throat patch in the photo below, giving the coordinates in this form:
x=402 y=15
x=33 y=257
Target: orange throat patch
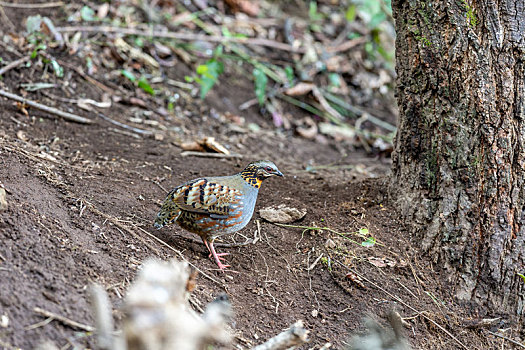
x=250 y=176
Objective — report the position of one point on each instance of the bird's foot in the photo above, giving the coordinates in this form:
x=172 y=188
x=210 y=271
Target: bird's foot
x=222 y=267
x=219 y=256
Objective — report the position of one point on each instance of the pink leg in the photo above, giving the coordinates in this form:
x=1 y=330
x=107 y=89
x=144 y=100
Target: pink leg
x=211 y=254
x=216 y=256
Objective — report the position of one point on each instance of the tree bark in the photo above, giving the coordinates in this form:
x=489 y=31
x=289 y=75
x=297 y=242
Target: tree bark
x=459 y=164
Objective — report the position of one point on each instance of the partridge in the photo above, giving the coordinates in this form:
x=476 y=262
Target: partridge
x=216 y=206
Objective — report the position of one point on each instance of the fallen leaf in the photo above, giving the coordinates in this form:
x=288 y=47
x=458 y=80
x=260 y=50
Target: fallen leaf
x=210 y=143
x=282 y=214
x=300 y=89
x=381 y=262
x=103 y=10
x=309 y=131
x=192 y=146
x=356 y=279
x=247 y=6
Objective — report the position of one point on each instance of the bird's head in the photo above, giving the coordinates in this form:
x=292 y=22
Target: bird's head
x=256 y=172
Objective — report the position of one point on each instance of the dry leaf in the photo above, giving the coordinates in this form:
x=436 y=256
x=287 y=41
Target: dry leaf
x=103 y=10
x=247 y=6
x=206 y=144
x=300 y=89
x=210 y=143
x=310 y=131
x=356 y=279
x=381 y=262
x=282 y=214
x=192 y=146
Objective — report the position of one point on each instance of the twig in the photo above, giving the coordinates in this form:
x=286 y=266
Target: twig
x=311 y=267
x=32 y=6
x=7 y=20
x=404 y=303
x=181 y=36
x=507 y=339
x=329 y=109
x=210 y=155
x=64 y=320
x=65 y=115
x=346 y=45
x=295 y=335
x=39 y=324
x=125 y=126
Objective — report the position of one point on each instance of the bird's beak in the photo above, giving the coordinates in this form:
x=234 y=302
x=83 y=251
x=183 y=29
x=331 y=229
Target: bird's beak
x=278 y=173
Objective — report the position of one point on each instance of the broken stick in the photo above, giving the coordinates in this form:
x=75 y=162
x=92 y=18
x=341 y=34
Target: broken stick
x=65 y=115
x=64 y=320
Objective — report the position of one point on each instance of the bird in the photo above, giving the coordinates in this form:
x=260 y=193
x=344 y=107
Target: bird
x=212 y=207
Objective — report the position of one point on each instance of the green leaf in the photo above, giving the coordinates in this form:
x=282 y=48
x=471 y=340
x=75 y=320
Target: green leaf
x=209 y=74
x=261 y=80
x=202 y=69
x=377 y=19
x=217 y=53
x=144 y=85
x=288 y=70
x=363 y=231
x=189 y=79
x=36 y=49
x=522 y=277
x=226 y=32
x=87 y=14
x=139 y=41
x=334 y=79
x=351 y=12
x=370 y=242
x=128 y=75
x=57 y=68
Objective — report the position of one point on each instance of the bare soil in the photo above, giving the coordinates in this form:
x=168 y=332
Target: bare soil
x=82 y=198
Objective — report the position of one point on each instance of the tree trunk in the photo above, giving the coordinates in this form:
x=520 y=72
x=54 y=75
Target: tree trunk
x=459 y=164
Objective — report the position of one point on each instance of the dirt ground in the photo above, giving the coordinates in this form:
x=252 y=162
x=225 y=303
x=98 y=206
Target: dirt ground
x=82 y=199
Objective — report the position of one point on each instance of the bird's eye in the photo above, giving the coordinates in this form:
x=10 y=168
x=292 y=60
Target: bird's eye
x=268 y=169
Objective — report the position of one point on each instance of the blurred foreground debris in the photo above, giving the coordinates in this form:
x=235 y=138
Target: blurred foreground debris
x=379 y=338
x=294 y=336
x=157 y=315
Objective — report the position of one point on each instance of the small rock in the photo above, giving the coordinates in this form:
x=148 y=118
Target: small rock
x=21 y=135
x=315 y=313
x=4 y=321
x=282 y=214
x=330 y=244
x=3 y=199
